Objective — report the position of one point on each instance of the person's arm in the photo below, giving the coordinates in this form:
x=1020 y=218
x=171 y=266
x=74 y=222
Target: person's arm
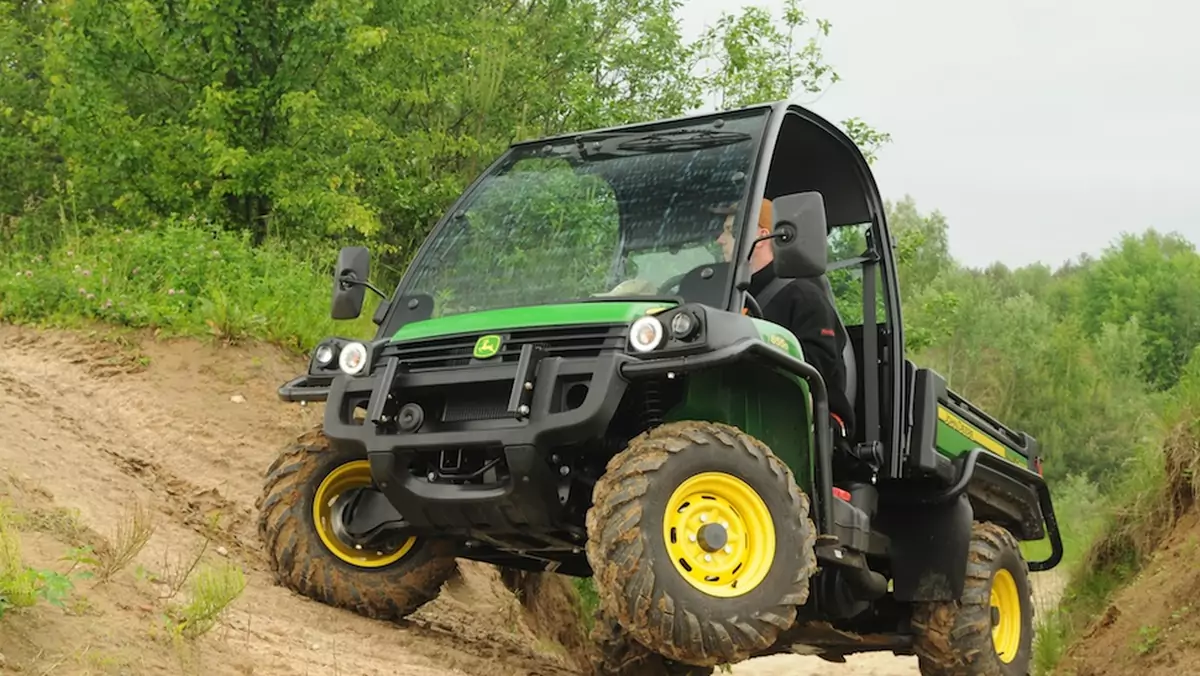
x=814 y=321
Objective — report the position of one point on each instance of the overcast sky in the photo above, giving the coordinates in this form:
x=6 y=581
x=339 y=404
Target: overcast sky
x=1041 y=130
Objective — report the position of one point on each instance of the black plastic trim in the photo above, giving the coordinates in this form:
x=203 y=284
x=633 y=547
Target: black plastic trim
x=305 y=388
x=972 y=469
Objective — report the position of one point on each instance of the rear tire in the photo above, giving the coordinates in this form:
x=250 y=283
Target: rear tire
x=669 y=576
x=311 y=561
x=967 y=637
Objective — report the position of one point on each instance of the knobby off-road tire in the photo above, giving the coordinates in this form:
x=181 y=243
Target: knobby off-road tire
x=955 y=638
x=658 y=602
x=616 y=653
x=301 y=561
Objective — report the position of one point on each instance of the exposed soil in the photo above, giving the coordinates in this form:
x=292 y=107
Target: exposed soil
x=1152 y=626
x=93 y=423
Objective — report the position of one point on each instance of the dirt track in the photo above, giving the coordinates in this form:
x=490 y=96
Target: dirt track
x=93 y=423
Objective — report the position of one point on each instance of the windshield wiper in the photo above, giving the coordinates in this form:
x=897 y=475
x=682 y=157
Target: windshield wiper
x=683 y=139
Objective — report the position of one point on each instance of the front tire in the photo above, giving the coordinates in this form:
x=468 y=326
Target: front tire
x=989 y=631
x=387 y=581
x=701 y=543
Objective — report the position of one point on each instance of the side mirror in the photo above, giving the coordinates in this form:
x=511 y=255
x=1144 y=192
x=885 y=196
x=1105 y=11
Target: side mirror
x=350 y=278
x=802 y=247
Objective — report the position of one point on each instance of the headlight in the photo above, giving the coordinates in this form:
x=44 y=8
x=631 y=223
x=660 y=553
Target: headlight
x=682 y=325
x=353 y=358
x=646 y=334
x=324 y=355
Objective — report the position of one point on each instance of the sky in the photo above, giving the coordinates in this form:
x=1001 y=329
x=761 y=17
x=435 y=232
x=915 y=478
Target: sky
x=1041 y=130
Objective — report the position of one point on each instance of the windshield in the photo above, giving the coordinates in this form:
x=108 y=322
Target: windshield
x=610 y=215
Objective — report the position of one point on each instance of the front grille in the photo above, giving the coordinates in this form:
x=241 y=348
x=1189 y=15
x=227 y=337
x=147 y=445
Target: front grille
x=456 y=351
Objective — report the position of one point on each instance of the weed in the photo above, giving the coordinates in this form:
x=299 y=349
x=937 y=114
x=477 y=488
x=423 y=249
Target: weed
x=133 y=532
x=20 y=585
x=1148 y=637
x=209 y=596
x=176 y=572
x=589 y=600
x=60 y=522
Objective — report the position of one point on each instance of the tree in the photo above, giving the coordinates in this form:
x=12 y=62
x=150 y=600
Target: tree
x=325 y=119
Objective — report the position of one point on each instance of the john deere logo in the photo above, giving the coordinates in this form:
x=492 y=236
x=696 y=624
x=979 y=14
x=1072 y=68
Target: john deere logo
x=487 y=347
x=778 y=341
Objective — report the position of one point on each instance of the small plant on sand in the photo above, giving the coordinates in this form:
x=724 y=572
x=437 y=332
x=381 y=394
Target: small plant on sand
x=210 y=593
x=20 y=585
x=133 y=532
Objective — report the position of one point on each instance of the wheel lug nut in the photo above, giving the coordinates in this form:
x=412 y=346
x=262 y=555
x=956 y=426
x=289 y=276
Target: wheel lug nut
x=691 y=538
x=708 y=558
x=728 y=549
x=703 y=518
x=358 y=547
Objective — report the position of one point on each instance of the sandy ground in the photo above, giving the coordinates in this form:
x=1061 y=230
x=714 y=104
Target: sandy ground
x=92 y=424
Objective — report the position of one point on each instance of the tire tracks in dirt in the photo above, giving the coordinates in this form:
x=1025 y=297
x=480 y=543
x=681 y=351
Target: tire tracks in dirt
x=189 y=429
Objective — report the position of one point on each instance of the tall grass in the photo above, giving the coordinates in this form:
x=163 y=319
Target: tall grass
x=181 y=277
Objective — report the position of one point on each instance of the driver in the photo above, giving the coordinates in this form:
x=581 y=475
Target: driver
x=803 y=307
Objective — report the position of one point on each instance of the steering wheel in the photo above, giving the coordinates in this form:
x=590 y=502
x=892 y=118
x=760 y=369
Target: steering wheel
x=752 y=305
x=671 y=283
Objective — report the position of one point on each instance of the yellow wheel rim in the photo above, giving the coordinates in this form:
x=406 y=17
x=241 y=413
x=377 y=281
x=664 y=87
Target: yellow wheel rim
x=1006 y=616
x=347 y=477
x=719 y=534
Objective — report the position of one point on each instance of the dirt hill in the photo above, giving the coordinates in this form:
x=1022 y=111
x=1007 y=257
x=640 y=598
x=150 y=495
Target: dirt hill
x=1152 y=626
x=94 y=426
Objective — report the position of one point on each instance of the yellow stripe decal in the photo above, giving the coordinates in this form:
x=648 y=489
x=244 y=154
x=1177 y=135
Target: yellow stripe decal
x=969 y=431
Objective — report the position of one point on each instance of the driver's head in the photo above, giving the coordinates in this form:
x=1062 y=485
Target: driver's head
x=727 y=238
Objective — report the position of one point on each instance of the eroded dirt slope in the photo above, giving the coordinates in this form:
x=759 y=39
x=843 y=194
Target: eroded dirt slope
x=1152 y=627
x=91 y=424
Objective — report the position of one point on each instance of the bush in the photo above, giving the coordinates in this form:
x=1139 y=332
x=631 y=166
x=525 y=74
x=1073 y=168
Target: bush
x=183 y=277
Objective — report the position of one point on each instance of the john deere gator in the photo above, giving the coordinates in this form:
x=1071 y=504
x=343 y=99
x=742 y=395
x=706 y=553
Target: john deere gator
x=572 y=376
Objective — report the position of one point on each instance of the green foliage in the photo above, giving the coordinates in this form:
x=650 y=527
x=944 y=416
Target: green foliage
x=1157 y=484
x=183 y=277
x=20 y=585
x=321 y=120
x=1156 y=279
x=210 y=593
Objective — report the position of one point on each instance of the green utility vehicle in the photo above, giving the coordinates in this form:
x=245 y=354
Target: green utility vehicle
x=572 y=376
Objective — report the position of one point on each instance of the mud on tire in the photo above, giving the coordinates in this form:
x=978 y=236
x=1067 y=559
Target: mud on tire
x=303 y=563
x=954 y=638
x=638 y=579
x=616 y=653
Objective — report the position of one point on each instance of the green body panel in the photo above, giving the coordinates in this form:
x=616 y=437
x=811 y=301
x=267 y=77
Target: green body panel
x=774 y=334
x=492 y=321
x=764 y=402
x=956 y=436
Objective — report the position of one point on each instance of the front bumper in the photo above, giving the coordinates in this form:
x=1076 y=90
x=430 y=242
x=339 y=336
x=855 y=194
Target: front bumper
x=468 y=413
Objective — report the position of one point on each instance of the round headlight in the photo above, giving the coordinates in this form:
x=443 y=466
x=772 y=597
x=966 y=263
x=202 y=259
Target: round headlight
x=324 y=355
x=646 y=334
x=682 y=325
x=353 y=358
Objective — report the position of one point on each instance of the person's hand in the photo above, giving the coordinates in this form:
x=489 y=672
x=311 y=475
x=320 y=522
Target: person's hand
x=631 y=287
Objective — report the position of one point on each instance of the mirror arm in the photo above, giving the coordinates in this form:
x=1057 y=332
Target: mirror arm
x=347 y=281
x=785 y=236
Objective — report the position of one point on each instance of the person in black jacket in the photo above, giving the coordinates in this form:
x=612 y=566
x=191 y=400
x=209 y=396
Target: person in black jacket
x=803 y=307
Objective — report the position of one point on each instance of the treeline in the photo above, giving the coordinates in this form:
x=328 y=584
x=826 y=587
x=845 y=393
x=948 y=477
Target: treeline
x=319 y=119
x=1083 y=357
x=191 y=166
